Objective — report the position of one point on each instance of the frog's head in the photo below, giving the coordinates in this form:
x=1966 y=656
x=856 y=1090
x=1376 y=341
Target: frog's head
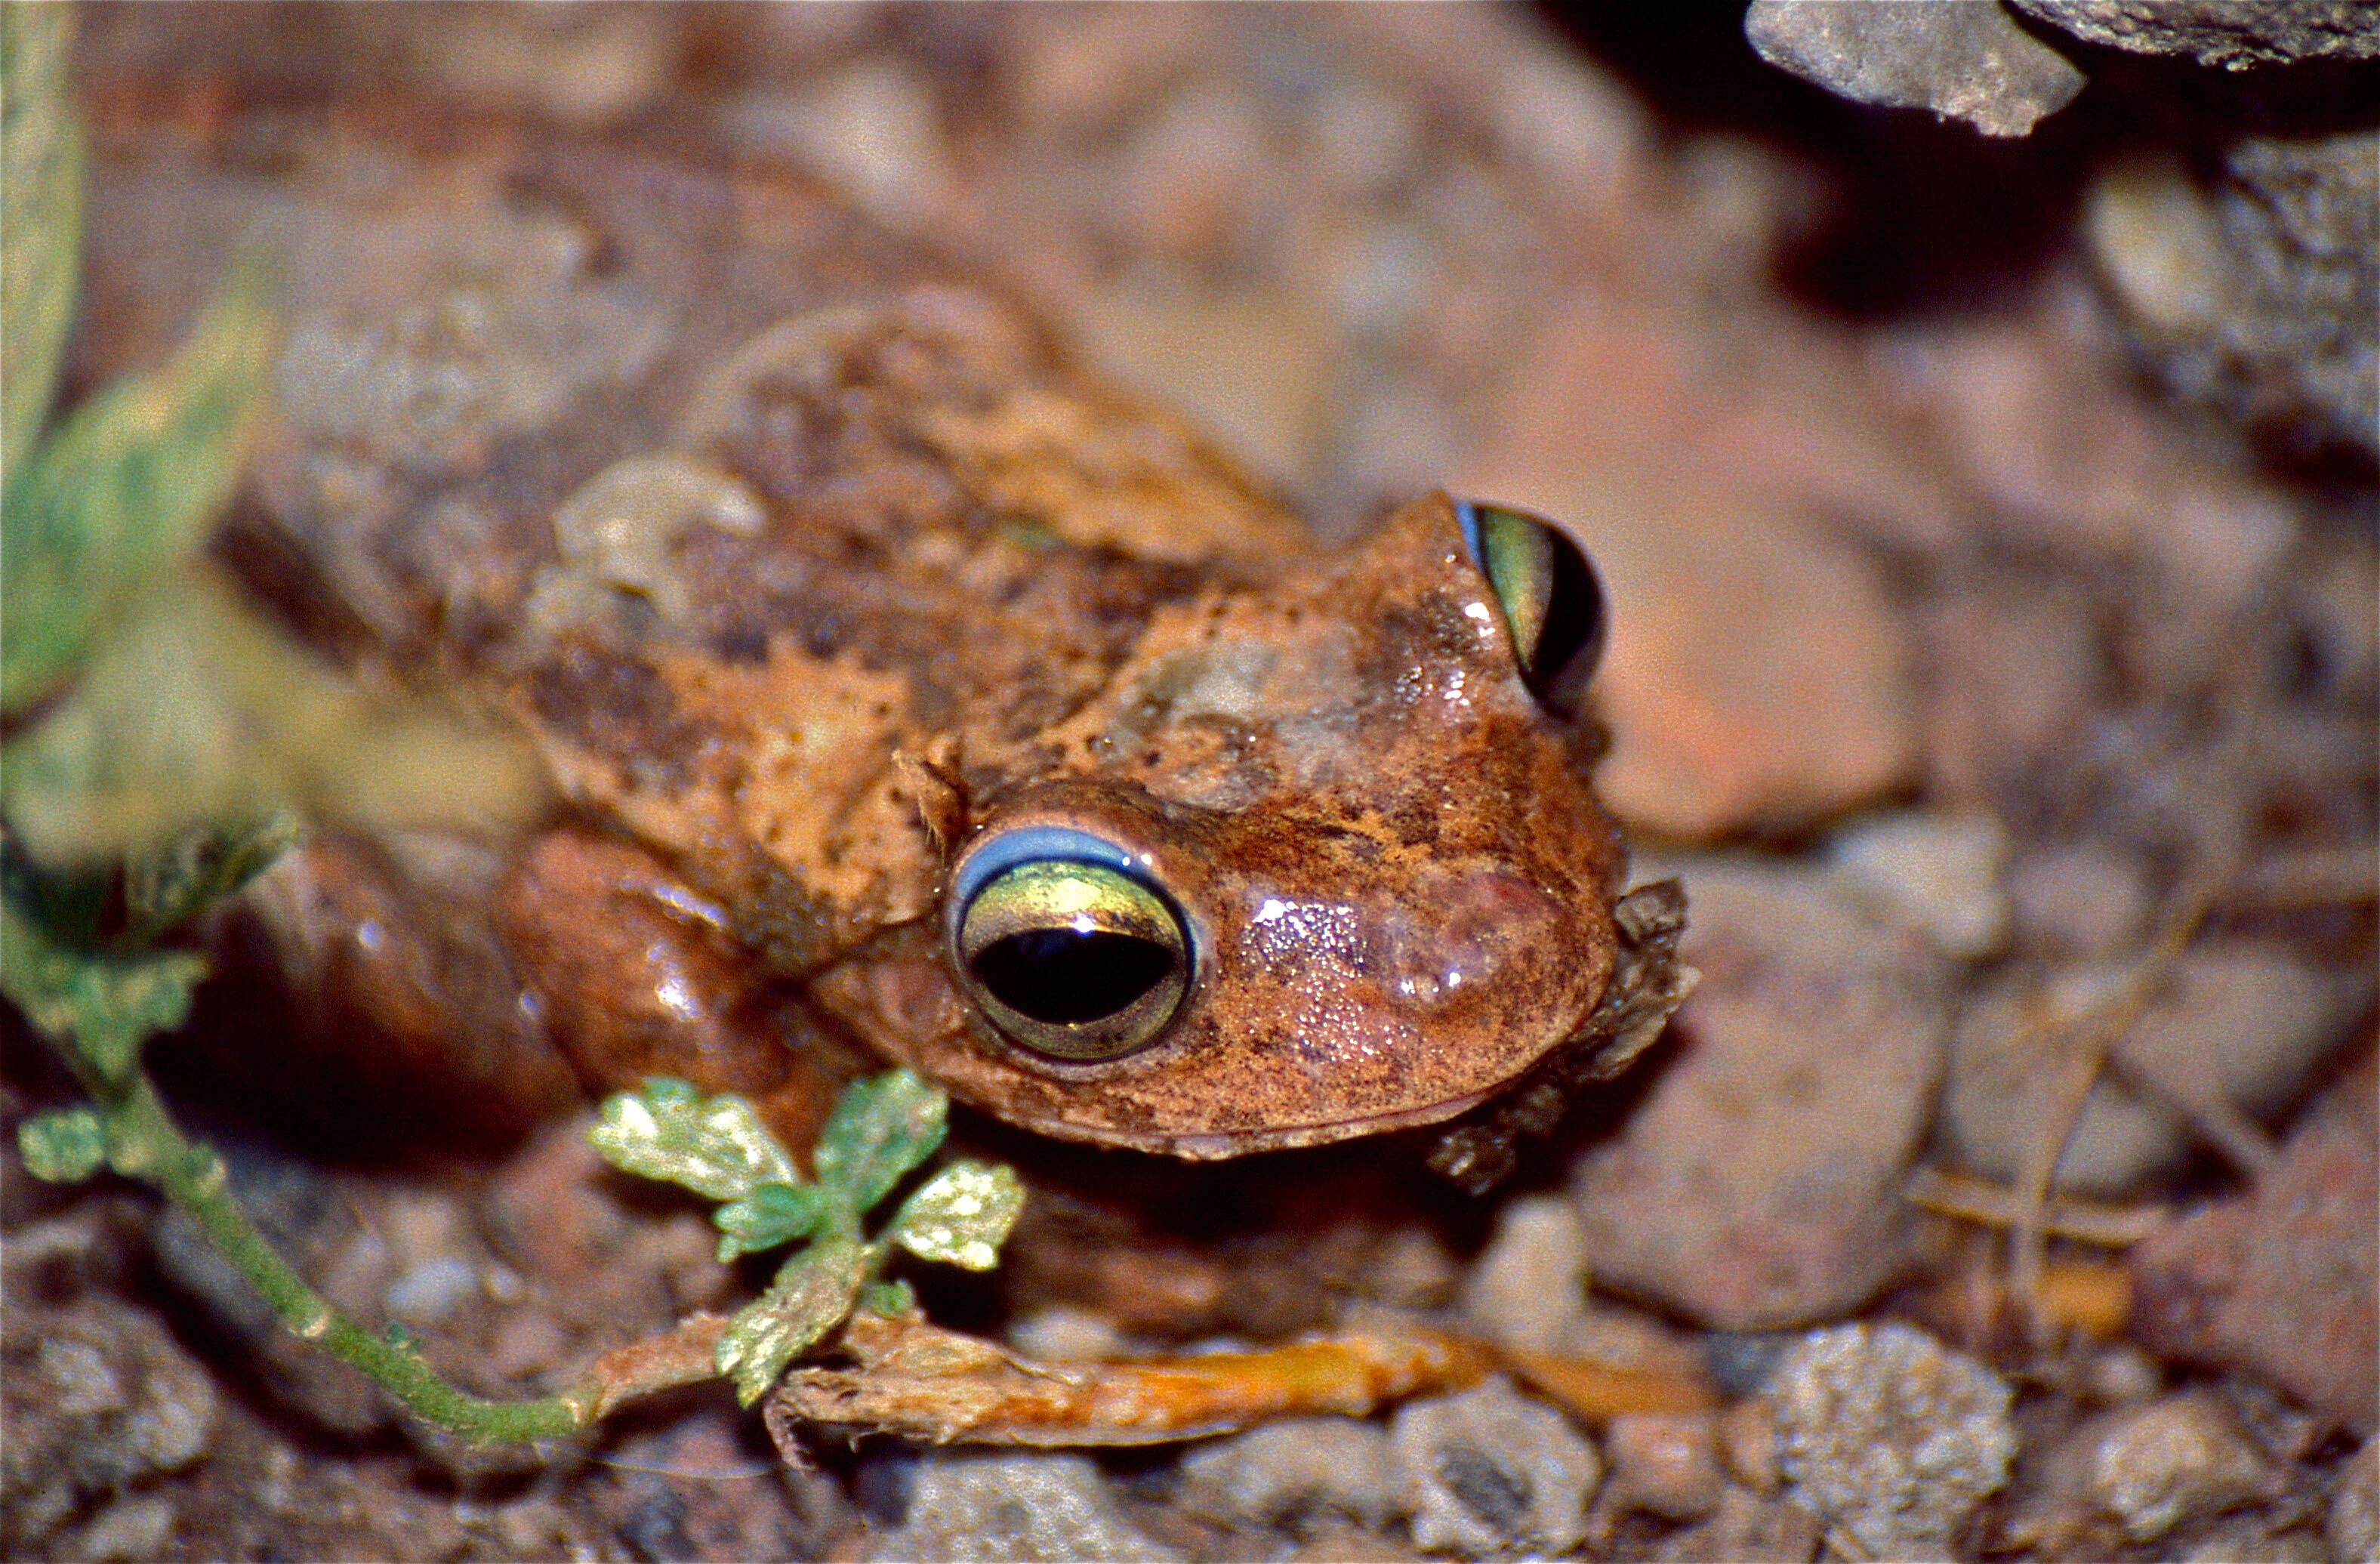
x=1323 y=860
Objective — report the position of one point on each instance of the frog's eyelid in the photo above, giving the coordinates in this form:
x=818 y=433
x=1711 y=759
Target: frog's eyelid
x=1041 y=844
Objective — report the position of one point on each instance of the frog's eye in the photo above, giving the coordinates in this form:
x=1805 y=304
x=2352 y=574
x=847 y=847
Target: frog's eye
x=1551 y=598
x=1064 y=948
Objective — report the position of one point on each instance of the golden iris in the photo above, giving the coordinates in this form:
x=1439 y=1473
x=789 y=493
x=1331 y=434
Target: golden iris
x=1071 y=958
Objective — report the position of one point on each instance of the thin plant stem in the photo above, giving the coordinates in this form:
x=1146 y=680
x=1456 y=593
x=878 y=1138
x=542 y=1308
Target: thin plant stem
x=144 y=1143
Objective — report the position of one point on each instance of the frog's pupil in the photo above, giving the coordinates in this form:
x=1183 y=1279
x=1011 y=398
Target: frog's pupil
x=1573 y=616
x=1067 y=976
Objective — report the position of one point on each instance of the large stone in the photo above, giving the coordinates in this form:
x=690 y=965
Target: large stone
x=2260 y=294
x=2285 y=1281
x=1964 y=59
x=2221 y=32
x=1760 y=1184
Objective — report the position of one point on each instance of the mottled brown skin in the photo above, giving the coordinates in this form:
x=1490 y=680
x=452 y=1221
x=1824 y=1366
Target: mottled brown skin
x=932 y=582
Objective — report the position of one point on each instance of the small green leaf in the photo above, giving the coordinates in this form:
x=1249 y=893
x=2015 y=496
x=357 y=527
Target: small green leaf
x=812 y=1294
x=892 y=1297
x=880 y=1128
x=715 y=1147
x=102 y=1008
x=126 y=486
x=176 y=882
x=772 y=1214
x=64 y=1145
x=961 y=1216
x=41 y=210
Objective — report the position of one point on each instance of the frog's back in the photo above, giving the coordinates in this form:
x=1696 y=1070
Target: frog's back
x=730 y=497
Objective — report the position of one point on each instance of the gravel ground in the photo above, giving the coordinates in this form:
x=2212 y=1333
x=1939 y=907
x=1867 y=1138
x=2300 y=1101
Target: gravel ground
x=1964 y=631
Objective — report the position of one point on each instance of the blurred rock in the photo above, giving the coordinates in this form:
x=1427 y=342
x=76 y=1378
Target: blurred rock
x=1654 y=432
x=2221 y=32
x=298 y=1209
x=2260 y=295
x=96 y=1402
x=1748 y=1529
x=1938 y=876
x=1487 y=1471
x=1760 y=1183
x=2285 y=1281
x=1294 y=1472
x=2152 y=1468
x=1891 y=1436
x=701 y=1488
x=2244 y=1023
x=1747 y=1443
x=1964 y=59
x=975 y=1505
x=2080 y=898
x=1666 y=1463
x=132 y=1530
x=2352 y=1523
x=1528 y=1287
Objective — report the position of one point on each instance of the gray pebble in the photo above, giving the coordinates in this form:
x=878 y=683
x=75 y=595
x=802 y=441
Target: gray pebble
x=1940 y=876
x=973 y=1505
x=1488 y=1470
x=2153 y=1467
x=2352 y=1525
x=1890 y=1435
x=1529 y=1287
x=1294 y=1470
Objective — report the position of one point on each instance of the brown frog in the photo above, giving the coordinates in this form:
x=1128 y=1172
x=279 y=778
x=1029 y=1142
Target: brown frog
x=1007 y=727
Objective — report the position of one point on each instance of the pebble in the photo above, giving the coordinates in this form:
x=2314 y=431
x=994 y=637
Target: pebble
x=1295 y=1471
x=2244 y=1020
x=1760 y=1183
x=2152 y=1468
x=2088 y=899
x=1940 y=876
x=1528 y=1287
x=1062 y=1332
x=1747 y=1530
x=1666 y=1463
x=974 y=1504
x=1488 y=1470
x=2351 y=1526
x=133 y=1530
x=1891 y=1436
x=1747 y=1444
x=95 y=1402
x=2285 y=1279
x=428 y=1293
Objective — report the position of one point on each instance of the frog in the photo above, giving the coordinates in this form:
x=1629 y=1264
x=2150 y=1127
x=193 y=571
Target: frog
x=884 y=658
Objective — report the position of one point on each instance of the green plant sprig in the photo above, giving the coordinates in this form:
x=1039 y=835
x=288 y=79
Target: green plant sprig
x=882 y=1128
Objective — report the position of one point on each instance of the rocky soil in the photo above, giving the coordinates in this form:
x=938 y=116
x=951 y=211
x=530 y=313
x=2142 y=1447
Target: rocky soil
x=1992 y=534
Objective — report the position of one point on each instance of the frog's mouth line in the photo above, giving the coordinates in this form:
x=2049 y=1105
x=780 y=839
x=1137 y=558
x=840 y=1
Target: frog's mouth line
x=1217 y=1147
